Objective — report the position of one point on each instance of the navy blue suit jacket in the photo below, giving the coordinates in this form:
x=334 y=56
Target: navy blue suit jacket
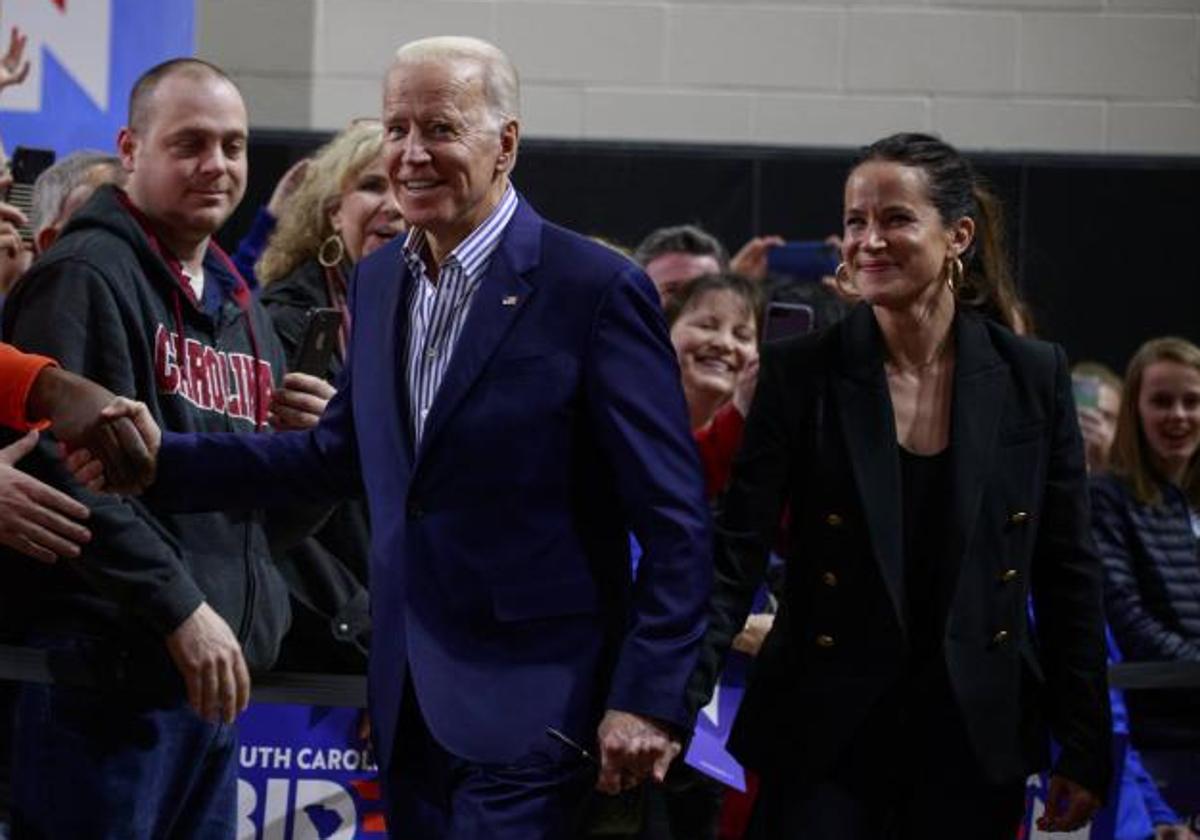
x=500 y=578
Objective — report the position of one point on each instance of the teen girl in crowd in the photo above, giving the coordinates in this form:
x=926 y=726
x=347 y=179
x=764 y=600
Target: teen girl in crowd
x=1144 y=517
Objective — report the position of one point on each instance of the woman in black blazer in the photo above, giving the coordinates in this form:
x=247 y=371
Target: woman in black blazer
x=931 y=465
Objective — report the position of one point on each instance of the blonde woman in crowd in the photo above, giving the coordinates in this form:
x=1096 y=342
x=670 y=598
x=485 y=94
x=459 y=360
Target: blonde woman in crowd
x=342 y=210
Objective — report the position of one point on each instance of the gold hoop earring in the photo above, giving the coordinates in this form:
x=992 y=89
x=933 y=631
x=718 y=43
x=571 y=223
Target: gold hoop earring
x=954 y=275
x=841 y=279
x=339 y=251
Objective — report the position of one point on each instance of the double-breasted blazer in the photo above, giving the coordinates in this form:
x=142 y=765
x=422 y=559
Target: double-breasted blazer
x=821 y=439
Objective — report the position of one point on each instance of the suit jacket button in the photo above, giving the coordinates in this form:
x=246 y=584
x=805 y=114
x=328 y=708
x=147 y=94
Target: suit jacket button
x=834 y=520
x=1008 y=576
x=1000 y=638
x=1019 y=518
x=824 y=641
x=415 y=511
x=829 y=579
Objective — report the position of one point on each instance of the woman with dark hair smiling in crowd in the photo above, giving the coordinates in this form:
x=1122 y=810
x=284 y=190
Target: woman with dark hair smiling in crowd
x=933 y=469
x=1144 y=515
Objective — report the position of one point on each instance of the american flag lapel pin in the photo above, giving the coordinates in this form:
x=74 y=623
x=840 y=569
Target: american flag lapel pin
x=508 y=300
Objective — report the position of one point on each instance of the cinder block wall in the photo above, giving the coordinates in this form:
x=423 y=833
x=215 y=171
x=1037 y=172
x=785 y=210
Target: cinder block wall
x=1032 y=75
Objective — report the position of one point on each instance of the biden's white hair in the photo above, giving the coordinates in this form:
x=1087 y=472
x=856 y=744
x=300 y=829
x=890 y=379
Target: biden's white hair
x=501 y=87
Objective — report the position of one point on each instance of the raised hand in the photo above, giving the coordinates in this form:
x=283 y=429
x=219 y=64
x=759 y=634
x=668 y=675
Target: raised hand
x=751 y=259
x=11 y=218
x=14 y=67
x=287 y=185
x=1098 y=435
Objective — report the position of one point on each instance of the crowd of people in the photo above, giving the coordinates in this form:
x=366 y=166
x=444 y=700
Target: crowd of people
x=538 y=484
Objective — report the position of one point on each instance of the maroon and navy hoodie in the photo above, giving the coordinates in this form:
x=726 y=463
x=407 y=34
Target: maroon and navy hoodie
x=109 y=303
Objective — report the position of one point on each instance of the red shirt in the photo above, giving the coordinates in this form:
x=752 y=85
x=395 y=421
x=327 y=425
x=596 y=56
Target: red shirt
x=718 y=442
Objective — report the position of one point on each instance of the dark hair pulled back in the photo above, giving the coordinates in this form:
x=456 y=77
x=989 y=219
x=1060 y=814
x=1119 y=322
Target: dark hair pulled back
x=957 y=190
x=746 y=290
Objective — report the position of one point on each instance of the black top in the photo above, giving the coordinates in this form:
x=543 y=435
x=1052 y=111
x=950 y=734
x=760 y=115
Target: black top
x=925 y=494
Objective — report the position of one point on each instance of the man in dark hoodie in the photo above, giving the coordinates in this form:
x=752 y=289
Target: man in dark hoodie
x=165 y=613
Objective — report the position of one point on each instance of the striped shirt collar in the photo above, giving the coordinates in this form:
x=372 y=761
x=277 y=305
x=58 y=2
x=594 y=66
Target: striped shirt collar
x=473 y=252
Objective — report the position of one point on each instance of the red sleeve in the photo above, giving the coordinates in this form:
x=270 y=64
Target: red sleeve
x=718 y=442
x=17 y=372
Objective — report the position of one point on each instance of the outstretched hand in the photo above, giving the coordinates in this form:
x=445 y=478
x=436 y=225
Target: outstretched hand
x=632 y=749
x=117 y=431
x=36 y=519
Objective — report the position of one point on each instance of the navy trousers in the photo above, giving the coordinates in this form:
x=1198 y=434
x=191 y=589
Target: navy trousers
x=91 y=764
x=432 y=794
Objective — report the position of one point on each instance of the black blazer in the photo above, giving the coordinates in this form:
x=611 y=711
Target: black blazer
x=821 y=437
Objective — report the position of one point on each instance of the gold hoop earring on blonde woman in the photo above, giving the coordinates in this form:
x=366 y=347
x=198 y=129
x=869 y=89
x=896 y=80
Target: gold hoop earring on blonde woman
x=954 y=275
x=841 y=279
x=332 y=251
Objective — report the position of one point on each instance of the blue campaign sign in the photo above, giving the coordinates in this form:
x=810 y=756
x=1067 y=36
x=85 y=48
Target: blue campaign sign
x=304 y=774
x=85 y=56
x=707 y=751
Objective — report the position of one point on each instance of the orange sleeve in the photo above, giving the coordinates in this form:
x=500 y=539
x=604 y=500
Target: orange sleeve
x=17 y=372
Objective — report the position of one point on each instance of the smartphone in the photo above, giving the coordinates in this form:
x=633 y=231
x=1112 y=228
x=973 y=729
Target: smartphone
x=317 y=342
x=27 y=164
x=784 y=320
x=1086 y=390
x=810 y=260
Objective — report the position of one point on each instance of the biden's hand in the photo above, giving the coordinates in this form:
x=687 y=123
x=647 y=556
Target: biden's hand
x=632 y=749
x=119 y=432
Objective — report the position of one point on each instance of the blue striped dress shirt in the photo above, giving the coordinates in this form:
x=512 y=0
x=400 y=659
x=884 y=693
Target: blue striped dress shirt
x=438 y=310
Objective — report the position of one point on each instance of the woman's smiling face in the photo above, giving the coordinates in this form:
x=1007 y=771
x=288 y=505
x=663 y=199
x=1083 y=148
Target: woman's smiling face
x=715 y=339
x=1169 y=410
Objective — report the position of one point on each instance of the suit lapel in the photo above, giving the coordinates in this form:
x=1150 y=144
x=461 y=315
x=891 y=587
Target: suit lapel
x=502 y=295
x=395 y=302
x=870 y=434
x=977 y=403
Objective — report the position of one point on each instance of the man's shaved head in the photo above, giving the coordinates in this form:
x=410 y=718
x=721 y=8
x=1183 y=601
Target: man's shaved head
x=141 y=98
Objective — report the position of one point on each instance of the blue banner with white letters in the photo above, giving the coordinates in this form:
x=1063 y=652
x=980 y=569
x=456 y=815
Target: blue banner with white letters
x=305 y=773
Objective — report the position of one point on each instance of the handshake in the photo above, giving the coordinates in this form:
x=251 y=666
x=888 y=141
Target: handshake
x=111 y=445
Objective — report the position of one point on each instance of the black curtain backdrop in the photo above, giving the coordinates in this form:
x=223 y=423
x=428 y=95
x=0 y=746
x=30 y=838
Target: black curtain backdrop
x=1106 y=249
